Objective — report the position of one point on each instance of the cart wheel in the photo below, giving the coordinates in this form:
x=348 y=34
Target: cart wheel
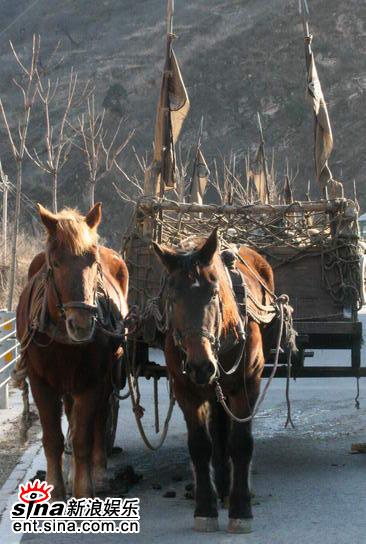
x=112 y=423
x=363 y=279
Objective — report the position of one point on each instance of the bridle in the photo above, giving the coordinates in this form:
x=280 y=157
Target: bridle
x=94 y=309
x=179 y=335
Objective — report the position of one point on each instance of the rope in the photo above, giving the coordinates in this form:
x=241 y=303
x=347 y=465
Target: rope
x=357 y=401
x=282 y=301
x=152 y=310
x=288 y=402
x=138 y=410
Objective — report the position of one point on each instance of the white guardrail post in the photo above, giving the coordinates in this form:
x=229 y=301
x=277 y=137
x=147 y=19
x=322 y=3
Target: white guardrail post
x=8 y=353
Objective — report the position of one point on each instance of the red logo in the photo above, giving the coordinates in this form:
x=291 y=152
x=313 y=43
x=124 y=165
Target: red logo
x=35 y=491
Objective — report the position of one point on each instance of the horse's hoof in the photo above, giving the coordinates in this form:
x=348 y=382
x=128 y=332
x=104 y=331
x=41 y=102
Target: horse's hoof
x=101 y=485
x=206 y=525
x=239 y=526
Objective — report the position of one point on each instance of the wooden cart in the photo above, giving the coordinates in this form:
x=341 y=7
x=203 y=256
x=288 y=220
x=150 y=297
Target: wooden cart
x=313 y=247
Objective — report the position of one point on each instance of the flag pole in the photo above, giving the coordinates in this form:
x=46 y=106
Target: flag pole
x=304 y=13
x=308 y=198
x=170 y=16
x=198 y=146
x=166 y=105
x=264 y=159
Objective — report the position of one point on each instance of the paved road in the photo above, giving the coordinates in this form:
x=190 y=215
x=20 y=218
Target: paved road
x=308 y=487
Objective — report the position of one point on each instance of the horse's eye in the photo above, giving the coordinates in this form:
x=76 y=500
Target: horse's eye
x=56 y=264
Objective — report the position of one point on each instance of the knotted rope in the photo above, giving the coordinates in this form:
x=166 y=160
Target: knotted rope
x=138 y=410
x=284 y=311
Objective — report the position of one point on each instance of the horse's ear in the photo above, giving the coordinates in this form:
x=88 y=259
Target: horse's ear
x=94 y=216
x=167 y=257
x=48 y=218
x=209 y=248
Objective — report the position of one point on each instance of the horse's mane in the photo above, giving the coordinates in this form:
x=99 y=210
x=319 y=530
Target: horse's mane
x=73 y=233
x=230 y=314
x=259 y=264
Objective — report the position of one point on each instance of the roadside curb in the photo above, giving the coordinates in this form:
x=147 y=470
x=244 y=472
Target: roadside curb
x=22 y=472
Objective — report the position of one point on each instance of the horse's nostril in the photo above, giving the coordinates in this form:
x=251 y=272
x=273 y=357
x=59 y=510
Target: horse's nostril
x=71 y=324
x=202 y=372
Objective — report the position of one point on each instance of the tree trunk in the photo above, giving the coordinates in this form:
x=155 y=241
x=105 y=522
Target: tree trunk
x=54 y=192
x=5 y=220
x=13 y=266
x=92 y=194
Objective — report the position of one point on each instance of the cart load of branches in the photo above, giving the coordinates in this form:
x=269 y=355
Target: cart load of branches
x=313 y=247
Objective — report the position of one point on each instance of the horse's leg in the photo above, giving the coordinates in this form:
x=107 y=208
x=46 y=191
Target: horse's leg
x=69 y=458
x=83 y=415
x=241 y=451
x=50 y=409
x=219 y=426
x=200 y=448
x=99 y=454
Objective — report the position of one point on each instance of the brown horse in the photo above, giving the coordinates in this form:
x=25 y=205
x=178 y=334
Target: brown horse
x=74 y=344
x=204 y=342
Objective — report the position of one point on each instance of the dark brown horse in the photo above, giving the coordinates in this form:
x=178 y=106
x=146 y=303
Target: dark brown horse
x=74 y=343
x=204 y=342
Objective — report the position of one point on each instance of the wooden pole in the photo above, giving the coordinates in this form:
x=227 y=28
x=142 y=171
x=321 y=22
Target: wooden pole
x=304 y=13
x=198 y=146
x=170 y=17
x=264 y=159
x=166 y=103
x=166 y=108
x=153 y=205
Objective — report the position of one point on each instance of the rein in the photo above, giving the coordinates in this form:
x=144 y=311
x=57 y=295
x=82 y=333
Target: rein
x=282 y=304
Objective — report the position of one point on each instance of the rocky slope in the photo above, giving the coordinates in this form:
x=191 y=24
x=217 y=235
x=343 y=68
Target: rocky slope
x=237 y=57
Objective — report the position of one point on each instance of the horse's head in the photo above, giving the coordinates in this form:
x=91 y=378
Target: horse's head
x=73 y=268
x=194 y=302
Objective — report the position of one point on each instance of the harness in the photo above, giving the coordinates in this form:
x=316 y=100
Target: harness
x=248 y=306
x=180 y=335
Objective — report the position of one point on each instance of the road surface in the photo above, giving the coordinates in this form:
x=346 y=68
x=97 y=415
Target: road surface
x=308 y=487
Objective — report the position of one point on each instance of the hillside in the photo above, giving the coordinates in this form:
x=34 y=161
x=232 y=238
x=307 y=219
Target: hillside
x=237 y=57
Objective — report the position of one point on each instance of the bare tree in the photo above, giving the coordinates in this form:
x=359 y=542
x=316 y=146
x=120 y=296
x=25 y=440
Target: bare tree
x=58 y=143
x=4 y=220
x=228 y=183
x=27 y=85
x=136 y=183
x=101 y=157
